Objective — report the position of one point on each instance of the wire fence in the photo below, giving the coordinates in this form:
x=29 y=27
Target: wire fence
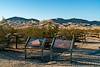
x=80 y=58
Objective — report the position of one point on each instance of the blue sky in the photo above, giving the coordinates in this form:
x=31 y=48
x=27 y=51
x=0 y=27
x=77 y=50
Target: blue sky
x=46 y=9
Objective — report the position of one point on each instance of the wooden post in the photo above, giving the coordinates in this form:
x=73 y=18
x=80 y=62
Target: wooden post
x=16 y=40
x=51 y=55
x=8 y=40
x=71 y=49
x=42 y=48
x=26 y=46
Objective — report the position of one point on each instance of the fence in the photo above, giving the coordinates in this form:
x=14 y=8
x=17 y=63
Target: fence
x=80 y=58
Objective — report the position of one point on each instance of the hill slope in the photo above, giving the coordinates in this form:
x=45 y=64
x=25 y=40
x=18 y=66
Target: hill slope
x=20 y=20
x=75 y=20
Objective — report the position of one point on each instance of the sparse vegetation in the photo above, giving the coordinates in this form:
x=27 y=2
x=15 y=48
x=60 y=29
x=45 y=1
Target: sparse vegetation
x=47 y=29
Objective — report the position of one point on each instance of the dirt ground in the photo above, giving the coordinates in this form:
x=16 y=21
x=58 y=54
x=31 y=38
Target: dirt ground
x=16 y=59
x=91 y=43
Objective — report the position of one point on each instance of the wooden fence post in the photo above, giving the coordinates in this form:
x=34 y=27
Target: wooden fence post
x=71 y=49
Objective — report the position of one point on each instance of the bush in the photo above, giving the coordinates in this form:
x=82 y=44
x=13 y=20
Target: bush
x=68 y=33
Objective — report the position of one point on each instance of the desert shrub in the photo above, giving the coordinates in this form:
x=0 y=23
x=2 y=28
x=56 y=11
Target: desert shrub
x=68 y=33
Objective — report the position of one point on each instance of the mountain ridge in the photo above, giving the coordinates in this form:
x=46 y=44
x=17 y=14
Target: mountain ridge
x=57 y=20
x=20 y=19
x=75 y=20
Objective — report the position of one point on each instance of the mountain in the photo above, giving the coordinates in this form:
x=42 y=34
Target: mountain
x=57 y=20
x=76 y=21
x=20 y=20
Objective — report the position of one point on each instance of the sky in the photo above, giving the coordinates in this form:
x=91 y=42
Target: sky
x=47 y=9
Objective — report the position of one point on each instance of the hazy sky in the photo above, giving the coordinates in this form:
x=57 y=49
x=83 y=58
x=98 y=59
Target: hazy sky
x=46 y=9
